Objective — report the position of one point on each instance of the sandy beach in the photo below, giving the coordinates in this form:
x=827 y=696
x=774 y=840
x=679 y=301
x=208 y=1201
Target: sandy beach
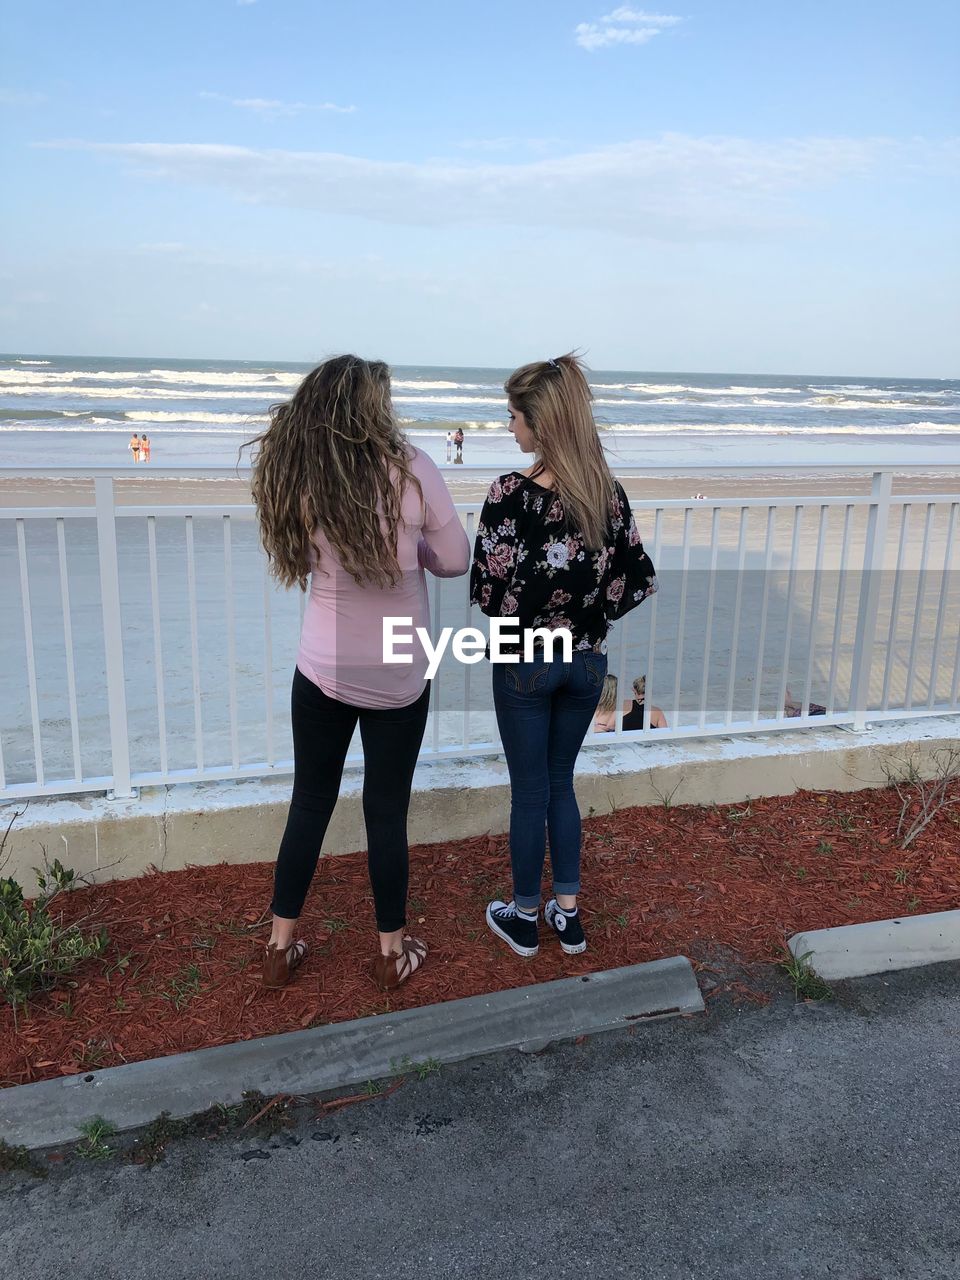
x=136 y=487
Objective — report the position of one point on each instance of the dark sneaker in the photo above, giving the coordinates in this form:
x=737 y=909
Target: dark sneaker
x=517 y=930
x=566 y=925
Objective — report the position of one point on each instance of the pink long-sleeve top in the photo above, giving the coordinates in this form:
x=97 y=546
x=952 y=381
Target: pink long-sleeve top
x=341 y=642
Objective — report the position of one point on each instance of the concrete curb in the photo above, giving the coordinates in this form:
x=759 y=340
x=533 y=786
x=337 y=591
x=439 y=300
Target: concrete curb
x=50 y=1112
x=855 y=950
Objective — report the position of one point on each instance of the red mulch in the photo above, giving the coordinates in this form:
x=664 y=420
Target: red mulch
x=182 y=972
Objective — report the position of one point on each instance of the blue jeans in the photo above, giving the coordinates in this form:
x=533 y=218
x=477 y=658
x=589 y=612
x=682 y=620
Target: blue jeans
x=544 y=710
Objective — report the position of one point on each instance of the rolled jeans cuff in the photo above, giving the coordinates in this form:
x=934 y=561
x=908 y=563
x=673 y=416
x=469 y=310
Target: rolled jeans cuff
x=527 y=903
x=571 y=887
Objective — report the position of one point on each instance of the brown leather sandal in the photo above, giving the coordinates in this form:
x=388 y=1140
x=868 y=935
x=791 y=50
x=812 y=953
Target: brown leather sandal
x=390 y=971
x=278 y=966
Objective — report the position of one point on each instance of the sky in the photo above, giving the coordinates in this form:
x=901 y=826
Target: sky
x=723 y=185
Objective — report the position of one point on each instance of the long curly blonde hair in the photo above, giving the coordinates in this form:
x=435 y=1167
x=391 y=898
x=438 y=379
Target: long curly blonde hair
x=555 y=398
x=334 y=460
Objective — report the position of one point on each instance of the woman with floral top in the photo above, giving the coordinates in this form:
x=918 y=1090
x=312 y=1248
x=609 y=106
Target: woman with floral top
x=556 y=547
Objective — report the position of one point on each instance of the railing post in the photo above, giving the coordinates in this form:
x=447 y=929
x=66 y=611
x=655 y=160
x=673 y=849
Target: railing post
x=113 y=637
x=874 y=550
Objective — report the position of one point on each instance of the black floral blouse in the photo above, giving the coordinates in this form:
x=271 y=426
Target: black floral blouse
x=527 y=564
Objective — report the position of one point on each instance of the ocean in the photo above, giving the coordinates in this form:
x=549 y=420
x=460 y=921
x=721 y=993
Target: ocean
x=79 y=411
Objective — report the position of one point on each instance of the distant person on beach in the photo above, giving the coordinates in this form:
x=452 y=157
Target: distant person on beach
x=134 y=446
x=458 y=441
x=449 y=445
x=633 y=711
x=345 y=502
x=556 y=547
x=144 y=449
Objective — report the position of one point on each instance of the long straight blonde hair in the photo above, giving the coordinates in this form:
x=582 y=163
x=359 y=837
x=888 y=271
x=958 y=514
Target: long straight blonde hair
x=555 y=398
x=334 y=460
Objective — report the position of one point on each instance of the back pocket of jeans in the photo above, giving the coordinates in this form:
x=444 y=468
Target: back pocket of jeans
x=595 y=665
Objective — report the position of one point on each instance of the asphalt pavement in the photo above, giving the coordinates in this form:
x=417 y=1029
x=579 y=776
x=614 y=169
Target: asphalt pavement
x=795 y=1141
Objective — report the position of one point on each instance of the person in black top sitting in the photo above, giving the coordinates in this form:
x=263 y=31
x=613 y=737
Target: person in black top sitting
x=557 y=547
x=633 y=712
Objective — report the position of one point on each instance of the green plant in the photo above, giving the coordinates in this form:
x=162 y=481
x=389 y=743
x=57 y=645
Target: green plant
x=183 y=987
x=152 y=1146
x=913 y=902
x=18 y=1160
x=118 y=964
x=36 y=948
x=900 y=875
x=824 y=847
x=93 y=1132
x=737 y=815
x=807 y=983
x=93 y=1053
x=844 y=822
x=801 y=873
x=421 y=1069
x=373 y=1088
x=666 y=798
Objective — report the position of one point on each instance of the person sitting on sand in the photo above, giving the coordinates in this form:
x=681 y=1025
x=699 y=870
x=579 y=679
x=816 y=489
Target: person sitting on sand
x=458 y=441
x=134 y=446
x=794 y=710
x=605 y=720
x=633 y=711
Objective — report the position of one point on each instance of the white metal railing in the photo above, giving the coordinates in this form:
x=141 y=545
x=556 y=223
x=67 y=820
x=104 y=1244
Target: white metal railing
x=144 y=643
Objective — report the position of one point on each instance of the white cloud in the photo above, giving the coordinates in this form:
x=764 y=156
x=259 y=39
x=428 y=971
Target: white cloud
x=626 y=14
x=623 y=26
x=672 y=188
x=273 y=107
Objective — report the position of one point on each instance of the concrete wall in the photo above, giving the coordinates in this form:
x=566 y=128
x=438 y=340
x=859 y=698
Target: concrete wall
x=203 y=824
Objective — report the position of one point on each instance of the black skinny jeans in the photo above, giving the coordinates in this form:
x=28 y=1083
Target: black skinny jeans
x=322 y=729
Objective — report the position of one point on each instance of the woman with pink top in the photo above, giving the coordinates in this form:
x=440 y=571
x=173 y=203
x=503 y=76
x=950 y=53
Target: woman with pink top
x=345 y=501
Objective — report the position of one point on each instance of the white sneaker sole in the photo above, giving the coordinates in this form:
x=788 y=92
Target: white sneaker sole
x=576 y=950
x=569 y=948
x=526 y=952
